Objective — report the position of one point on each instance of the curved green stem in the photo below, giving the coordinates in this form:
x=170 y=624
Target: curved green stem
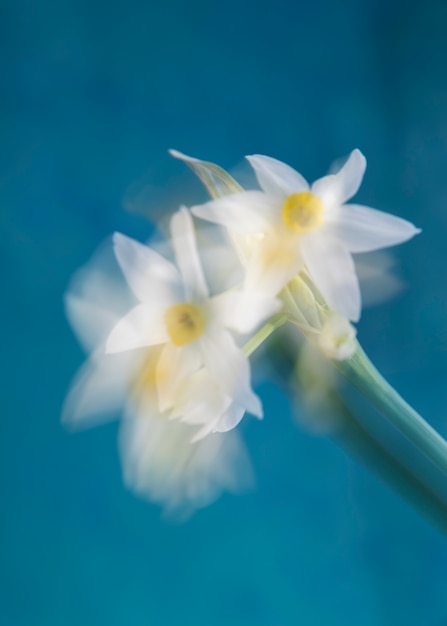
x=274 y=322
x=362 y=374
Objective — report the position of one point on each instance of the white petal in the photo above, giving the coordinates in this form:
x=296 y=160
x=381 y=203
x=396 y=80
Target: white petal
x=226 y=422
x=100 y=389
x=276 y=178
x=161 y=464
x=332 y=268
x=328 y=190
x=243 y=311
x=248 y=212
x=97 y=297
x=151 y=277
x=90 y=322
x=230 y=368
x=200 y=399
x=175 y=365
x=274 y=261
x=339 y=187
x=362 y=229
x=350 y=176
x=142 y=326
x=230 y=419
x=186 y=253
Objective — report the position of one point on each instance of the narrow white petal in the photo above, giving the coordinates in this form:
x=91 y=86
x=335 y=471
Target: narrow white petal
x=228 y=420
x=350 y=176
x=161 y=464
x=332 y=268
x=151 y=277
x=175 y=365
x=142 y=326
x=186 y=253
x=276 y=178
x=100 y=389
x=97 y=297
x=328 y=190
x=362 y=229
x=248 y=212
x=230 y=368
x=243 y=311
x=231 y=418
x=90 y=322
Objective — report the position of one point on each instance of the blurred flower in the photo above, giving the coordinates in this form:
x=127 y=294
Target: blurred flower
x=159 y=459
x=291 y=225
x=177 y=312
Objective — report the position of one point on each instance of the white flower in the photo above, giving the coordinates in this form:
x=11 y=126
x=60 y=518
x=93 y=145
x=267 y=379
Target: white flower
x=177 y=313
x=159 y=459
x=160 y=463
x=292 y=224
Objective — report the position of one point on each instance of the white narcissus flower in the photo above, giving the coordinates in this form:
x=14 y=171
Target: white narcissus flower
x=292 y=224
x=159 y=459
x=177 y=313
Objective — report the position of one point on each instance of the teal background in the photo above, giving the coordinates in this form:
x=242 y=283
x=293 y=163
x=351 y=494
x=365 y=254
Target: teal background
x=92 y=96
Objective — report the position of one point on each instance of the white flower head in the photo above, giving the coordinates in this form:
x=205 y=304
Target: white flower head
x=292 y=224
x=161 y=463
x=176 y=312
x=165 y=460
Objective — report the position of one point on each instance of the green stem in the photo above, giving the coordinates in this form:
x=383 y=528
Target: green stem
x=274 y=322
x=353 y=438
x=362 y=374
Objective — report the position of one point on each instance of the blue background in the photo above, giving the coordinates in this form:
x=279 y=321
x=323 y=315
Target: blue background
x=92 y=95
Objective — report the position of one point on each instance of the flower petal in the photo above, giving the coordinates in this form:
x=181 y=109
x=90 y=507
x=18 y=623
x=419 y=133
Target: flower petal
x=175 y=365
x=336 y=188
x=244 y=310
x=90 y=322
x=362 y=229
x=230 y=368
x=200 y=399
x=187 y=256
x=274 y=261
x=160 y=463
x=276 y=178
x=150 y=276
x=331 y=266
x=248 y=212
x=230 y=419
x=142 y=326
x=99 y=389
x=97 y=297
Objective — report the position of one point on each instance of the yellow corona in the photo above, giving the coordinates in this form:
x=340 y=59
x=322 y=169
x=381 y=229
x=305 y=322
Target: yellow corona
x=184 y=322
x=302 y=212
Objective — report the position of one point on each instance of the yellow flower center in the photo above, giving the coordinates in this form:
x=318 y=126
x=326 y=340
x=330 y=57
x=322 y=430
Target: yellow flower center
x=302 y=212
x=185 y=323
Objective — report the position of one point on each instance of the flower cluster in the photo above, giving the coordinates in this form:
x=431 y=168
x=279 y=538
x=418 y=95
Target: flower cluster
x=169 y=345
